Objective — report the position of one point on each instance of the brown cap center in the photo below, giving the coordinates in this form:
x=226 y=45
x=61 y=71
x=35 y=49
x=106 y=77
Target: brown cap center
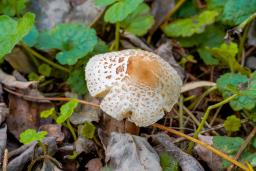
x=144 y=70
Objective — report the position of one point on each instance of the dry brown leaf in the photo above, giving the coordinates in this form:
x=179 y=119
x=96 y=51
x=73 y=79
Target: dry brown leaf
x=186 y=161
x=213 y=161
x=127 y=152
x=94 y=165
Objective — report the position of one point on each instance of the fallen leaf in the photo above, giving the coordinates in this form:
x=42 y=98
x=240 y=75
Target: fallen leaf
x=11 y=82
x=186 y=161
x=4 y=111
x=20 y=61
x=94 y=165
x=53 y=131
x=128 y=152
x=86 y=12
x=160 y=9
x=167 y=52
x=49 y=13
x=213 y=161
x=3 y=139
x=19 y=162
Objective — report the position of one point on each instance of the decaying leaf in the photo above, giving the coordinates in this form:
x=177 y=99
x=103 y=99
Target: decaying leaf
x=53 y=130
x=4 y=111
x=19 y=61
x=24 y=114
x=3 y=139
x=10 y=81
x=167 y=52
x=86 y=12
x=19 y=162
x=186 y=162
x=128 y=152
x=94 y=165
x=212 y=160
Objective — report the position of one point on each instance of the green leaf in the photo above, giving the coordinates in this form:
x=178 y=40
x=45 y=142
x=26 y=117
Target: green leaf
x=104 y=2
x=31 y=38
x=188 y=9
x=45 y=70
x=207 y=57
x=236 y=13
x=213 y=36
x=33 y=76
x=227 y=54
x=189 y=26
x=47 y=113
x=254 y=142
x=120 y=10
x=88 y=130
x=31 y=135
x=232 y=124
x=74 y=40
x=12 y=7
x=229 y=145
x=230 y=83
x=77 y=83
x=168 y=163
x=139 y=21
x=66 y=111
x=11 y=31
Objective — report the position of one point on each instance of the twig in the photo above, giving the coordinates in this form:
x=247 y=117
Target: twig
x=209 y=147
x=207 y=92
x=243 y=146
x=5 y=160
x=196 y=84
x=117 y=35
x=50 y=98
x=207 y=130
x=174 y=9
x=181 y=118
x=200 y=127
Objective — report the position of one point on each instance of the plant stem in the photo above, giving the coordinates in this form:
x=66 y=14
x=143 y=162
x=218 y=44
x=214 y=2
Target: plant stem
x=174 y=9
x=200 y=127
x=39 y=56
x=71 y=129
x=181 y=118
x=207 y=146
x=117 y=36
x=194 y=105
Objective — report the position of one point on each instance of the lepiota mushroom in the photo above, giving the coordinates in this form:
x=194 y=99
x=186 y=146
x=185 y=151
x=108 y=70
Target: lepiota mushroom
x=134 y=84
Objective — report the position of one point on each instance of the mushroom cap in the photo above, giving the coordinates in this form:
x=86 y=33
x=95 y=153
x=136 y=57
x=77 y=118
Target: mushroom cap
x=135 y=84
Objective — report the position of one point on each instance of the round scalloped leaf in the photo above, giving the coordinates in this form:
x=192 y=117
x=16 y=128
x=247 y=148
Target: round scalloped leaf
x=77 y=83
x=120 y=10
x=66 y=111
x=232 y=123
x=31 y=135
x=189 y=26
x=31 y=38
x=11 y=31
x=231 y=83
x=236 y=13
x=45 y=70
x=139 y=21
x=74 y=40
x=104 y=2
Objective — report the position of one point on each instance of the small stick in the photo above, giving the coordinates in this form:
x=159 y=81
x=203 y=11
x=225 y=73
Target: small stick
x=243 y=146
x=5 y=160
x=209 y=147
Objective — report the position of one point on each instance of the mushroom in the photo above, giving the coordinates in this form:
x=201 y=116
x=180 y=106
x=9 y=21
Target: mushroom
x=134 y=84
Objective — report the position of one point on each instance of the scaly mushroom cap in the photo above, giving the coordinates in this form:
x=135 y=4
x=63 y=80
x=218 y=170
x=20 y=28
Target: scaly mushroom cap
x=135 y=84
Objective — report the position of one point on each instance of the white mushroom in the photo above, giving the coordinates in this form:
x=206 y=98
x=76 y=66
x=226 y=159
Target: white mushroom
x=135 y=84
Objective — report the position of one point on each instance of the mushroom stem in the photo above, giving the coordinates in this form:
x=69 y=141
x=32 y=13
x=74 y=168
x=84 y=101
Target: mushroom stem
x=112 y=125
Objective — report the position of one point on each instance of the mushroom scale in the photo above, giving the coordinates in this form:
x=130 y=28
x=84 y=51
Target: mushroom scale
x=134 y=84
